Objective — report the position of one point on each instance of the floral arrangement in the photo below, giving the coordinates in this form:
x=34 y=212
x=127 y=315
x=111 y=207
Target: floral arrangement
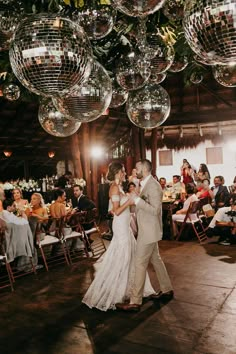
x=28 y=186
x=80 y=181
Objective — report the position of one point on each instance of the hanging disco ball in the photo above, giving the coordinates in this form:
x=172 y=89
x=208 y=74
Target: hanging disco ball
x=129 y=74
x=119 y=95
x=196 y=78
x=148 y=107
x=164 y=58
x=138 y=8
x=210 y=29
x=90 y=100
x=202 y=61
x=225 y=75
x=179 y=64
x=97 y=20
x=11 y=92
x=10 y=14
x=157 y=78
x=50 y=55
x=174 y=10
x=54 y=122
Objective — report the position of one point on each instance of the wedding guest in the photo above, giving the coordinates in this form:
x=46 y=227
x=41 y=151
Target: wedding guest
x=232 y=188
x=187 y=173
x=220 y=193
x=64 y=180
x=133 y=177
x=81 y=201
x=180 y=214
x=133 y=220
x=8 y=213
x=37 y=207
x=204 y=191
x=202 y=174
x=177 y=187
x=20 y=203
x=58 y=208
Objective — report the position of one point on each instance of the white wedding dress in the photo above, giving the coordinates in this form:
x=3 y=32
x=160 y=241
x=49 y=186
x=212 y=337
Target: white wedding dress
x=114 y=275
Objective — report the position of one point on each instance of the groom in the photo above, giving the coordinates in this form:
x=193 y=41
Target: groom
x=149 y=218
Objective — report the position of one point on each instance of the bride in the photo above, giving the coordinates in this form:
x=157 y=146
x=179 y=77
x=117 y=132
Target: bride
x=115 y=274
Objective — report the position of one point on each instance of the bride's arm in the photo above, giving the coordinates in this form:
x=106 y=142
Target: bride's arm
x=115 y=198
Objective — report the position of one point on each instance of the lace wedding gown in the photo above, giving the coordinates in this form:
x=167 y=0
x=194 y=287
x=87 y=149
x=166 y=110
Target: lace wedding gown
x=114 y=276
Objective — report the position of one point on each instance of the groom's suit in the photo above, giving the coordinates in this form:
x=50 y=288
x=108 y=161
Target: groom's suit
x=149 y=218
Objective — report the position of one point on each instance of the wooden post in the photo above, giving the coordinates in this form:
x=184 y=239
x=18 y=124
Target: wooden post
x=154 y=150
x=75 y=152
x=86 y=157
x=136 y=143
x=94 y=169
x=142 y=143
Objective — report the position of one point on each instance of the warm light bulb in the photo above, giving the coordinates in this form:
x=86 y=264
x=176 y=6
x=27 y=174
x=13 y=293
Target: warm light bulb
x=7 y=153
x=51 y=154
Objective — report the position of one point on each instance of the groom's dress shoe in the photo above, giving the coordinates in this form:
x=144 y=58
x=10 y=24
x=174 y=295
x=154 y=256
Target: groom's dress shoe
x=163 y=296
x=128 y=307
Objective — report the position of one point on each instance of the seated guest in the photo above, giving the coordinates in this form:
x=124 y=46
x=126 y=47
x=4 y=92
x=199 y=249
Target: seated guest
x=8 y=213
x=232 y=188
x=177 y=186
x=224 y=223
x=180 y=214
x=58 y=208
x=202 y=174
x=37 y=207
x=162 y=182
x=81 y=201
x=20 y=203
x=204 y=192
x=220 y=193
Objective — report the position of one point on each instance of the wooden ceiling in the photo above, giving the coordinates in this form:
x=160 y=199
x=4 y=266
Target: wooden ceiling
x=21 y=132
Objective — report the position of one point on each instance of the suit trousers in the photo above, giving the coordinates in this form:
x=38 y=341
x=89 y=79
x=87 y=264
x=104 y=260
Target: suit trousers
x=146 y=253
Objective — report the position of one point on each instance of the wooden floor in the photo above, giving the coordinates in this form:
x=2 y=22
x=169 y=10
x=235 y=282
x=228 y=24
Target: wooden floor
x=45 y=315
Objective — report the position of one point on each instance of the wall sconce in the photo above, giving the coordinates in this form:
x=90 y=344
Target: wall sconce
x=7 y=153
x=51 y=154
x=181 y=133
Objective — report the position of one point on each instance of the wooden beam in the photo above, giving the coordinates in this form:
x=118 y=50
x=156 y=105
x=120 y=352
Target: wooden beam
x=86 y=156
x=216 y=95
x=75 y=153
x=154 y=150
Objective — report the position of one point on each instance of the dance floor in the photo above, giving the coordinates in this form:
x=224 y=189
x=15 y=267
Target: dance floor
x=45 y=314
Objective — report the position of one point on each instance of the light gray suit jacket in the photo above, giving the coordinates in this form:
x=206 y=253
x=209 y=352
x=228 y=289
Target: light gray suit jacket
x=149 y=212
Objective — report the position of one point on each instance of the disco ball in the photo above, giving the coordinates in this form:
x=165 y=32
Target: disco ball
x=148 y=107
x=202 y=61
x=164 y=58
x=157 y=78
x=97 y=20
x=11 y=92
x=137 y=8
x=54 y=122
x=196 y=78
x=174 y=10
x=90 y=100
x=179 y=64
x=50 y=55
x=210 y=29
x=10 y=13
x=225 y=75
x=129 y=74
x=119 y=95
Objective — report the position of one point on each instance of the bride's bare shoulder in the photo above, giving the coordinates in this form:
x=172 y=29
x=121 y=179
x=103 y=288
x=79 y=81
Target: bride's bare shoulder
x=114 y=189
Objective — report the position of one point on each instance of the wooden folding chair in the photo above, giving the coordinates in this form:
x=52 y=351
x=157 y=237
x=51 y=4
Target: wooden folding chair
x=77 y=233
x=6 y=274
x=90 y=227
x=49 y=236
x=196 y=223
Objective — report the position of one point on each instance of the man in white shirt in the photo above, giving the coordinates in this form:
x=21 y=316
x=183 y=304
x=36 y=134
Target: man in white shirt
x=8 y=216
x=224 y=223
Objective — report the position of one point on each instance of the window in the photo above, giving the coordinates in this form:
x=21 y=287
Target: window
x=165 y=158
x=214 y=155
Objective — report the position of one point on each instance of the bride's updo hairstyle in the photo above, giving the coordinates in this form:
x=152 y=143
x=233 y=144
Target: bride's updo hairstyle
x=113 y=169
